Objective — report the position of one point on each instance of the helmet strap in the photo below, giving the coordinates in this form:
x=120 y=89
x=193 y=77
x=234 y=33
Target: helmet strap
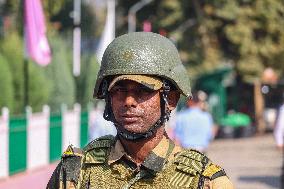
x=165 y=110
x=127 y=135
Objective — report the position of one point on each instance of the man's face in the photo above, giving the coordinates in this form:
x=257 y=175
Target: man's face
x=135 y=107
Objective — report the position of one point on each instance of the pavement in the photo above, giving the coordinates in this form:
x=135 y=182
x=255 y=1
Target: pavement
x=251 y=163
x=35 y=179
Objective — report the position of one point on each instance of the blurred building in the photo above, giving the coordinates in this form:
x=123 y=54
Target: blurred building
x=227 y=92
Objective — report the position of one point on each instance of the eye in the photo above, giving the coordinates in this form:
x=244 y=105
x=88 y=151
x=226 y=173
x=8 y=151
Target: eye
x=118 y=90
x=144 y=90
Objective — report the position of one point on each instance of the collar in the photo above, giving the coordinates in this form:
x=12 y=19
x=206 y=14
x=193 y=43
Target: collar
x=163 y=153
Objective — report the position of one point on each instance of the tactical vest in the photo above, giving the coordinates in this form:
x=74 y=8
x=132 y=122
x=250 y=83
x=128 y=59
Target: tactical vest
x=190 y=169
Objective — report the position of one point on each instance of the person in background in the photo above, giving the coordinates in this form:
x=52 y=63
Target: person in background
x=279 y=126
x=279 y=136
x=194 y=126
x=202 y=97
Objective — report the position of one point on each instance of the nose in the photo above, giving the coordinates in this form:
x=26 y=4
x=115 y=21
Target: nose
x=130 y=100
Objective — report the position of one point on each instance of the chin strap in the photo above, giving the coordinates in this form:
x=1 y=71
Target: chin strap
x=138 y=136
x=165 y=115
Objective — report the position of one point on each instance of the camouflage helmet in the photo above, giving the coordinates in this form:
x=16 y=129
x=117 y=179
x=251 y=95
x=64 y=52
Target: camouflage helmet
x=143 y=53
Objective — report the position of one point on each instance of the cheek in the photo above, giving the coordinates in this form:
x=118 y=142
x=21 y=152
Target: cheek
x=116 y=106
x=153 y=110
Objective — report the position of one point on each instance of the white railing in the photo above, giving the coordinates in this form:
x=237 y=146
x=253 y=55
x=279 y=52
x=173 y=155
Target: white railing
x=4 y=143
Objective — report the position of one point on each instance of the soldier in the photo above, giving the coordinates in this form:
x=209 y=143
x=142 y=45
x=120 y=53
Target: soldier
x=141 y=78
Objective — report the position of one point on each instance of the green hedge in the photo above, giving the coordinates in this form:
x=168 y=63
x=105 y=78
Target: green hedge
x=6 y=84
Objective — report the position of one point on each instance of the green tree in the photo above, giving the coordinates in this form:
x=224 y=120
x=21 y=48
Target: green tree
x=39 y=87
x=65 y=21
x=210 y=34
x=62 y=86
x=86 y=81
x=250 y=33
x=6 y=85
x=12 y=49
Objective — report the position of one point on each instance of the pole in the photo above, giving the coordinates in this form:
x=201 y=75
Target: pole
x=259 y=106
x=77 y=38
x=108 y=33
x=26 y=65
x=26 y=82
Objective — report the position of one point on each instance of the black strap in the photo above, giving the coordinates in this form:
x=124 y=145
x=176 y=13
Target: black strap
x=201 y=178
x=137 y=177
x=218 y=174
x=139 y=136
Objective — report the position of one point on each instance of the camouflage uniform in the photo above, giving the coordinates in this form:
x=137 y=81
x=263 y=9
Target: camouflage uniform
x=104 y=164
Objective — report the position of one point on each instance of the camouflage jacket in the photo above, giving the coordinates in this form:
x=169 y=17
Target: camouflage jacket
x=104 y=164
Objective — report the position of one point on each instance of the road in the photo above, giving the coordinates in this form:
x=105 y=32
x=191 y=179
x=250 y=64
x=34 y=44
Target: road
x=251 y=163
x=35 y=179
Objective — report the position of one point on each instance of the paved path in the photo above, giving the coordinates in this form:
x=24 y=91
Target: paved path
x=251 y=163
x=36 y=179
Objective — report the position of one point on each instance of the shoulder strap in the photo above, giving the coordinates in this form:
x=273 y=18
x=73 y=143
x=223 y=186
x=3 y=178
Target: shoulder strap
x=98 y=150
x=191 y=161
x=102 y=142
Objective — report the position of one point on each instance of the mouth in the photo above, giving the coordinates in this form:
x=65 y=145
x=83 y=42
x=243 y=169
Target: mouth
x=129 y=118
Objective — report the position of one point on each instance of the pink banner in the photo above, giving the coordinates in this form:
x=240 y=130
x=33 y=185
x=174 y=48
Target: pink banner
x=36 y=42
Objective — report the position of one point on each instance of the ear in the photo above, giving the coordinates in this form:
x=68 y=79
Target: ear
x=173 y=98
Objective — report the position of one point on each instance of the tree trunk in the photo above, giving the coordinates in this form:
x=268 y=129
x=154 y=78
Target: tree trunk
x=259 y=108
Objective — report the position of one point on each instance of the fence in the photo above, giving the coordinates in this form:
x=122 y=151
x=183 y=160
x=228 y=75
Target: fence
x=37 y=139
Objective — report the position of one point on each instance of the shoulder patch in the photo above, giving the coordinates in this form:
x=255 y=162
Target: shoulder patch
x=191 y=161
x=211 y=170
x=214 y=171
x=71 y=163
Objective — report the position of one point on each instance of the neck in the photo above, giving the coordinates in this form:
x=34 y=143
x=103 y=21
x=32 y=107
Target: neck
x=139 y=150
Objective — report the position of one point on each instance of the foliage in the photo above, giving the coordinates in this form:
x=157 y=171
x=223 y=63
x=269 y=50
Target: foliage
x=64 y=18
x=59 y=73
x=253 y=32
x=209 y=34
x=6 y=85
x=248 y=34
x=11 y=48
x=39 y=87
x=182 y=22
x=52 y=7
x=10 y=7
x=14 y=10
x=86 y=81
